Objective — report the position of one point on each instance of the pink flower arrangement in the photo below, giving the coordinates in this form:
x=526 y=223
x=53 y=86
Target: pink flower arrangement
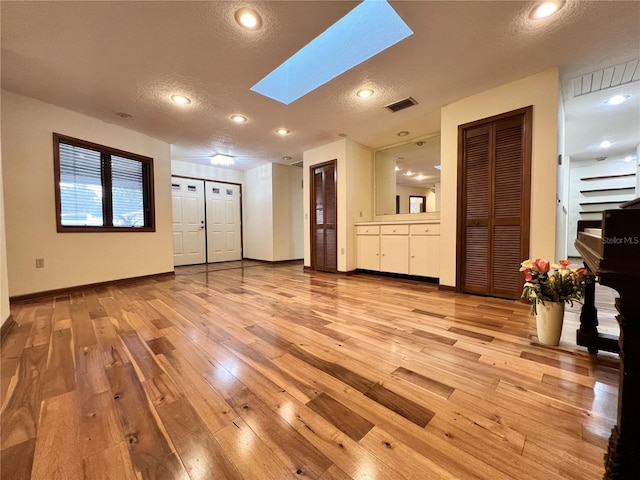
x=550 y=282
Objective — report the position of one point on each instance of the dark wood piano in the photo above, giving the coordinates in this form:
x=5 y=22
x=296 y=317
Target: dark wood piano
x=612 y=252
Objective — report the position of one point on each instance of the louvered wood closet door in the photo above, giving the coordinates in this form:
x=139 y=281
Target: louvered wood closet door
x=324 y=233
x=493 y=204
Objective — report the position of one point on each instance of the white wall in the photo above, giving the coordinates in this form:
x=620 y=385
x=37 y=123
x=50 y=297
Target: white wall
x=71 y=259
x=562 y=187
x=4 y=278
x=638 y=172
x=287 y=213
x=578 y=194
x=541 y=91
x=207 y=172
x=272 y=213
x=257 y=213
x=354 y=191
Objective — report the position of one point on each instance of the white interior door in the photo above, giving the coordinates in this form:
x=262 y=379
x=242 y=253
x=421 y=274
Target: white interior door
x=223 y=222
x=188 y=221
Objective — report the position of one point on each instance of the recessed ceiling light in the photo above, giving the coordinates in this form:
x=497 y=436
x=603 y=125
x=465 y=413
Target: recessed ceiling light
x=286 y=158
x=238 y=118
x=180 y=99
x=546 y=9
x=248 y=19
x=283 y=131
x=605 y=144
x=420 y=177
x=365 y=93
x=617 y=99
x=123 y=114
x=408 y=173
x=343 y=135
x=397 y=168
x=628 y=158
x=403 y=133
x=222 y=160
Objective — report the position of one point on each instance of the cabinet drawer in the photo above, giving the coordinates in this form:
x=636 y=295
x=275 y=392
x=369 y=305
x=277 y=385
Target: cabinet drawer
x=367 y=229
x=394 y=229
x=425 y=229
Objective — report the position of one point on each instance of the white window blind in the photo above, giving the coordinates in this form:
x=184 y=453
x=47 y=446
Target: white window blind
x=80 y=186
x=99 y=187
x=127 y=192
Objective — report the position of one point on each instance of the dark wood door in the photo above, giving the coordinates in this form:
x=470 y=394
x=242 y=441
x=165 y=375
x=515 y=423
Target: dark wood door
x=324 y=232
x=494 y=175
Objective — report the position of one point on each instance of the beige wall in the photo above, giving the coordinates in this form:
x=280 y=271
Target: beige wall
x=257 y=213
x=541 y=91
x=71 y=259
x=354 y=192
x=287 y=213
x=4 y=279
x=272 y=213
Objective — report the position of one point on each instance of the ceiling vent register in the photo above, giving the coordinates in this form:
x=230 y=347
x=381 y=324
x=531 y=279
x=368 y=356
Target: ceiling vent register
x=401 y=104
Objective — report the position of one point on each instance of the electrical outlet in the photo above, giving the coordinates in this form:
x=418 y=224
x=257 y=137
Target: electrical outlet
x=39 y=262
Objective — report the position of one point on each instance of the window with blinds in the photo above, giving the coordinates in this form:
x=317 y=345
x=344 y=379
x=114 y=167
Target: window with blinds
x=99 y=188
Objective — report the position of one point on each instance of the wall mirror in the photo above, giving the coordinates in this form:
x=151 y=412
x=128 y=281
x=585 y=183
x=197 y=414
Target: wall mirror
x=408 y=172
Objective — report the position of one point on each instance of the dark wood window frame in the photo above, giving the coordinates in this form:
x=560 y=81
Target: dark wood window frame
x=107 y=204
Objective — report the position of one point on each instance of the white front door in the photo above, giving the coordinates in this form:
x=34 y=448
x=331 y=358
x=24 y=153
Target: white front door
x=187 y=198
x=223 y=222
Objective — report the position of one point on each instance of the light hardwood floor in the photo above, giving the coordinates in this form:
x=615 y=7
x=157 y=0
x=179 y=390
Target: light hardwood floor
x=268 y=372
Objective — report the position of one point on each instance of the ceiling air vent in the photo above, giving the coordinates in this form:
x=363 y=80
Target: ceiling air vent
x=401 y=105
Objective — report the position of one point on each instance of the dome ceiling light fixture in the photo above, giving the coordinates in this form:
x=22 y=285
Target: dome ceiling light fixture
x=605 y=144
x=248 y=18
x=180 y=99
x=618 y=99
x=222 y=160
x=282 y=131
x=236 y=117
x=365 y=93
x=403 y=133
x=546 y=9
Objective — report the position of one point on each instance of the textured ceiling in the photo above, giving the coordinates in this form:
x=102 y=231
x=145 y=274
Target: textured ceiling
x=100 y=58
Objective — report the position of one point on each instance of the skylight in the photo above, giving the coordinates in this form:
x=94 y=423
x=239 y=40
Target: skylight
x=368 y=29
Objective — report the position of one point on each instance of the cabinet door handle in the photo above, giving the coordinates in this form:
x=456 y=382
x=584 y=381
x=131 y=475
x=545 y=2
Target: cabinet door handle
x=413 y=256
x=383 y=254
x=426 y=229
x=394 y=230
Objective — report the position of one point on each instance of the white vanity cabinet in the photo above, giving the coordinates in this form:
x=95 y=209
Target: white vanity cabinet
x=394 y=248
x=424 y=250
x=368 y=247
x=408 y=248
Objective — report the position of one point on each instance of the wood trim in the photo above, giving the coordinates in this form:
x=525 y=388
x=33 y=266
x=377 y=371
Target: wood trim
x=205 y=179
x=402 y=276
x=604 y=177
x=8 y=324
x=275 y=262
x=447 y=288
x=147 y=168
x=26 y=298
x=635 y=203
